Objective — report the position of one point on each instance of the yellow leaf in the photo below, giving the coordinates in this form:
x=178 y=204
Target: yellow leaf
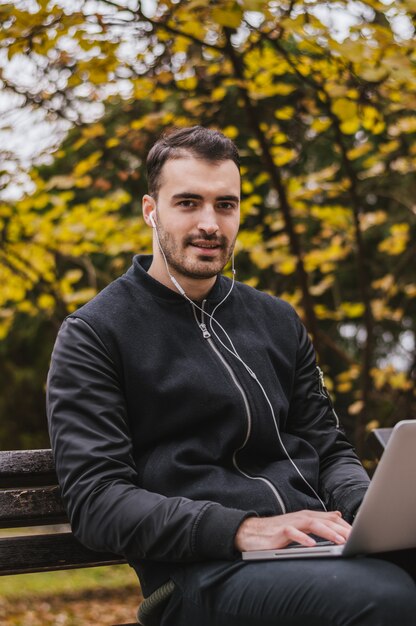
x=353 y=50
x=260 y=257
x=322 y=286
x=390 y=376
x=61 y=182
x=246 y=187
x=46 y=302
x=350 y=374
x=6 y=320
x=403 y=165
x=378 y=309
x=344 y=387
x=345 y=109
x=261 y=179
x=390 y=146
x=400 y=381
x=373 y=218
x=288 y=266
x=356 y=407
x=78 y=144
x=256 y=5
x=352 y=309
x=370 y=116
x=92 y=131
x=253 y=144
x=181 y=44
x=320 y=124
x=248 y=239
x=282 y=156
x=397 y=242
x=138 y=124
x=218 y=94
x=79 y=297
x=405 y=125
x=351 y=126
x=378 y=127
x=188 y=83
x=213 y=69
x=359 y=151
x=410 y=290
x=371 y=425
x=323 y=313
x=370 y=73
x=84 y=166
x=230 y=131
x=83 y=182
x=112 y=142
x=284 y=113
x=230 y=17
x=282 y=89
x=335 y=215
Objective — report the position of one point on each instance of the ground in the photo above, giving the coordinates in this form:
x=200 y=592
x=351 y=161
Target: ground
x=105 y=596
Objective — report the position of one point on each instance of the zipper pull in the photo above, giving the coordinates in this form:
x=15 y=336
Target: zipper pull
x=205 y=332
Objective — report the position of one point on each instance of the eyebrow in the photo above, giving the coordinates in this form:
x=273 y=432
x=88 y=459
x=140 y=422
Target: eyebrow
x=196 y=196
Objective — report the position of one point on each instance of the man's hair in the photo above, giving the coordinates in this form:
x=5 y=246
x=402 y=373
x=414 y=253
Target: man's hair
x=196 y=141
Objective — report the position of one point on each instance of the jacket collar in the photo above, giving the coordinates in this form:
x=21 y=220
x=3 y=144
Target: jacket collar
x=139 y=269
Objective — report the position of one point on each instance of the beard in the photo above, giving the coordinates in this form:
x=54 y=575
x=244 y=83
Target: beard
x=180 y=257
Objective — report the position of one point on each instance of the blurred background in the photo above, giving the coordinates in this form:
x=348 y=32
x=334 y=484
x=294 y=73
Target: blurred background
x=320 y=98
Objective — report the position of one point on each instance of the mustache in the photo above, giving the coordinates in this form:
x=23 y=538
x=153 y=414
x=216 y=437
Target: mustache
x=219 y=240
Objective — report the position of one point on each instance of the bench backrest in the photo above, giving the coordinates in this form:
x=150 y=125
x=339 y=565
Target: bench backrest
x=29 y=496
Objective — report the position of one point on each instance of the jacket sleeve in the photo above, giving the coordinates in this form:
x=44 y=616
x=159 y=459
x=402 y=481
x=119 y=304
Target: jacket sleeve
x=342 y=480
x=94 y=462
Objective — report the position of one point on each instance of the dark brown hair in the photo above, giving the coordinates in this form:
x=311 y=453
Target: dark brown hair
x=196 y=141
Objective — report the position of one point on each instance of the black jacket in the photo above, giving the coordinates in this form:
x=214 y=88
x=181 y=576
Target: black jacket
x=164 y=442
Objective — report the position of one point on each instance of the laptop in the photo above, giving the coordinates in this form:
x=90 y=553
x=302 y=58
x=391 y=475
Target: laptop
x=386 y=519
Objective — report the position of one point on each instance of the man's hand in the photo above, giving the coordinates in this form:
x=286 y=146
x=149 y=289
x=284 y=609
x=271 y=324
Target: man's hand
x=268 y=533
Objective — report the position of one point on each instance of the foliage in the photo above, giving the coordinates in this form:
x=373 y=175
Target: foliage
x=327 y=132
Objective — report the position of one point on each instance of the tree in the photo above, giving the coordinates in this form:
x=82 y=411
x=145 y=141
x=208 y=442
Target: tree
x=327 y=133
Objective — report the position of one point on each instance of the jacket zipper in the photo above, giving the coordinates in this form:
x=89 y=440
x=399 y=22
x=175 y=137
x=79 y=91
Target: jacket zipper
x=323 y=391
x=207 y=336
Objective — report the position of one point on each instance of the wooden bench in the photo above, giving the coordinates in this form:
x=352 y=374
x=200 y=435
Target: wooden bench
x=29 y=496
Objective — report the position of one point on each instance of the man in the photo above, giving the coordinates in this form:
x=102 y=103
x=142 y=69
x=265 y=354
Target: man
x=189 y=423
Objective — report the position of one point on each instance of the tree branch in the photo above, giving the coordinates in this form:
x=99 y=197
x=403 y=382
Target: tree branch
x=254 y=117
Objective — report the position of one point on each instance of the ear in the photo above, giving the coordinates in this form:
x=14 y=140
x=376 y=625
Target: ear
x=148 y=206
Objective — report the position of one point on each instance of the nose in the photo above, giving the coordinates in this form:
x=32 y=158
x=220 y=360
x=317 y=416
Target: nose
x=208 y=221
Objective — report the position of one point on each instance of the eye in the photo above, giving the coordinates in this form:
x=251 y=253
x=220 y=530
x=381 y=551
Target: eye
x=226 y=205
x=187 y=204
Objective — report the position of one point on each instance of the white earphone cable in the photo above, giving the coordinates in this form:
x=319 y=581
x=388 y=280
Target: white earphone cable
x=234 y=353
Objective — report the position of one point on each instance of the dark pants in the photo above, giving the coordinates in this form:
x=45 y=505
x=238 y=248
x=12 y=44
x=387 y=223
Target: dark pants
x=308 y=592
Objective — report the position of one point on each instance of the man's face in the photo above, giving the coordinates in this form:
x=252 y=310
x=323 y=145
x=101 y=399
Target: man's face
x=198 y=214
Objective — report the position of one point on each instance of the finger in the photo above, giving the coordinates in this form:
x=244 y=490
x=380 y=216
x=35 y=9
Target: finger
x=340 y=520
x=293 y=534
x=331 y=532
x=334 y=516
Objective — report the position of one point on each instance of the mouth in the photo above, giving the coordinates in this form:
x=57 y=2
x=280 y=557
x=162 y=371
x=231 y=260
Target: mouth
x=205 y=245
x=206 y=249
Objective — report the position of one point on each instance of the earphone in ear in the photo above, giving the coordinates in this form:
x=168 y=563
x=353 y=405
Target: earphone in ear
x=152 y=219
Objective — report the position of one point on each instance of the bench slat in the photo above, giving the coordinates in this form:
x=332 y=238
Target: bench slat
x=37 y=553
x=31 y=507
x=21 y=468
